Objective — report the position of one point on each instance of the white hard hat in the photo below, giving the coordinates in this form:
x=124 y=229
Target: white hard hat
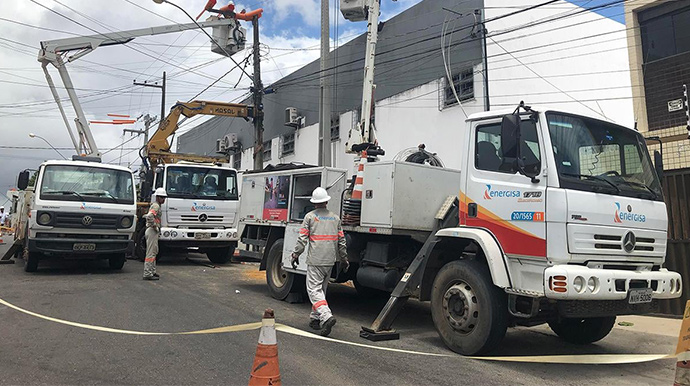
x=160 y=192
x=2 y=207
x=319 y=195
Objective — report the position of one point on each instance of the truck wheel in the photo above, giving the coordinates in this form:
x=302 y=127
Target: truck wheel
x=221 y=255
x=469 y=312
x=117 y=261
x=280 y=282
x=140 y=244
x=583 y=330
x=31 y=261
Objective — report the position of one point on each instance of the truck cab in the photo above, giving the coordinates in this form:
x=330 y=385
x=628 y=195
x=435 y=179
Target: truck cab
x=80 y=210
x=200 y=209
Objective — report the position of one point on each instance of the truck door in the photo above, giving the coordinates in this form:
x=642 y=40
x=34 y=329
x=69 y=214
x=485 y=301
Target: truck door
x=501 y=199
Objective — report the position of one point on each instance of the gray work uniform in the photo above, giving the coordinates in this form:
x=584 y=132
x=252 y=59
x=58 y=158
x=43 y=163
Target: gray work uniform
x=321 y=228
x=153 y=229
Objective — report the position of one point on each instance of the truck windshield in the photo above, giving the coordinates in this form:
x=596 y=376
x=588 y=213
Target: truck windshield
x=602 y=157
x=86 y=184
x=201 y=182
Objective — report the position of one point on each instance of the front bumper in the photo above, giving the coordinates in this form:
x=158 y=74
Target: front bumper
x=608 y=284
x=192 y=236
x=65 y=246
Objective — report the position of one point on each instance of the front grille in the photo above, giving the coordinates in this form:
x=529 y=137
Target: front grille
x=195 y=218
x=615 y=243
x=43 y=235
x=607 y=237
x=75 y=220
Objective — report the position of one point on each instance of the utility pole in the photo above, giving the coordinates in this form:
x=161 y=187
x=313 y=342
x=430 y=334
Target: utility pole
x=148 y=120
x=257 y=93
x=325 y=103
x=156 y=85
x=487 y=104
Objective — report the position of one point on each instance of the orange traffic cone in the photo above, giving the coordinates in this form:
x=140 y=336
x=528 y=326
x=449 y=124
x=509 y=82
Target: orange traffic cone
x=359 y=180
x=266 y=370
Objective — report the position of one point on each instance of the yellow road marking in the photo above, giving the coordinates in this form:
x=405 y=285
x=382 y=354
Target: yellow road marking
x=590 y=359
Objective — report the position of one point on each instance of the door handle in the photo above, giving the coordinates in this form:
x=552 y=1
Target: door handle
x=472 y=209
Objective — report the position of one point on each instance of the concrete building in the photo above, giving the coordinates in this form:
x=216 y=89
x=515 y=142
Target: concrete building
x=659 y=50
x=562 y=54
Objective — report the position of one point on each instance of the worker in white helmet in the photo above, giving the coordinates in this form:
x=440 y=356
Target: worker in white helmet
x=153 y=230
x=321 y=228
x=3 y=218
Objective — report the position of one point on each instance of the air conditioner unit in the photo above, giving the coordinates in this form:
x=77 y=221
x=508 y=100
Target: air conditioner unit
x=292 y=119
x=224 y=144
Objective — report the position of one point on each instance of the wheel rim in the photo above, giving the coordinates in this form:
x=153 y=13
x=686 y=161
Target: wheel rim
x=460 y=307
x=278 y=274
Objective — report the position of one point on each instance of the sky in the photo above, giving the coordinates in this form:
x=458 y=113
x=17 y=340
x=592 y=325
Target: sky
x=289 y=34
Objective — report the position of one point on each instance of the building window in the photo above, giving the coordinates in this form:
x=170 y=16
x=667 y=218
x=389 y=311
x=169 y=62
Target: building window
x=664 y=35
x=463 y=82
x=237 y=160
x=267 y=150
x=288 y=144
x=335 y=128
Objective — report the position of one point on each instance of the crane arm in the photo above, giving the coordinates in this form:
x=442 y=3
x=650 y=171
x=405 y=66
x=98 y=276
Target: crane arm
x=158 y=147
x=55 y=52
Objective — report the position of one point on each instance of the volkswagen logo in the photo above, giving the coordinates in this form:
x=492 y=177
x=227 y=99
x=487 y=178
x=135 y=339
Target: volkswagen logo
x=629 y=242
x=203 y=217
x=87 y=220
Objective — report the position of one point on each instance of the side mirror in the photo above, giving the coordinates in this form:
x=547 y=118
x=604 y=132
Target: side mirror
x=510 y=136
x=23 y=180
x=658 y=164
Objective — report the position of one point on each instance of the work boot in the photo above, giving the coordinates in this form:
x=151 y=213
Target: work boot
x=327 y=326
x=315 y=324
x=156 y=275
x=151 y=278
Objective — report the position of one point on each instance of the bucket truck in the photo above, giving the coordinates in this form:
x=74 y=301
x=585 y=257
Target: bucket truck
x=553 y=218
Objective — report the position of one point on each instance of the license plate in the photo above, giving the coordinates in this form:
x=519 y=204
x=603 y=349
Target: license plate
x=641 y=295
x=84 y=247
x=202 y=236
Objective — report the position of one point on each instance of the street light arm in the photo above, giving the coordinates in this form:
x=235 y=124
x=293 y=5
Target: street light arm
x=32 y=135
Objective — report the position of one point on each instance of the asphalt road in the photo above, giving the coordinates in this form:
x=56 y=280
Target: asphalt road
x=192 y=297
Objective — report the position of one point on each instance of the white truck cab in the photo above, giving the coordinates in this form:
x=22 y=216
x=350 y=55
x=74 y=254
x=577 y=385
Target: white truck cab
x=200 y=209
x=80 y=210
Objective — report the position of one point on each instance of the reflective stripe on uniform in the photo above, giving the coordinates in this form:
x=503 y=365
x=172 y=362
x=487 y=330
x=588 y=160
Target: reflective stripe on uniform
x=341 y=234
x=150 y=260
x=304 y=231
x=324 y=237
x=319 y=304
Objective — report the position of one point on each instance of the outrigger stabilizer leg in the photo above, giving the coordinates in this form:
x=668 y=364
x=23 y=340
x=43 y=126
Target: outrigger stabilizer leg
x=408 y=285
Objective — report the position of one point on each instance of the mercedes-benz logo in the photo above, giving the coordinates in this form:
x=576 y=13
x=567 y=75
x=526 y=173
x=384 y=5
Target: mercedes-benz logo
x=203 y=217
x=629 y=242
x=87 y=220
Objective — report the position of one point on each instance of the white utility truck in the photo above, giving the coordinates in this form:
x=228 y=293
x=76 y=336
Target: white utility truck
x=553 y=218
x=199 y=212
x=79 y=209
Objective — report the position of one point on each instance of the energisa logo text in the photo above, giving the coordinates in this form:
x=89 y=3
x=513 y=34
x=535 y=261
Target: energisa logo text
x=489 y=194
x=629 y=216
x=83 y=206
x=197 y=207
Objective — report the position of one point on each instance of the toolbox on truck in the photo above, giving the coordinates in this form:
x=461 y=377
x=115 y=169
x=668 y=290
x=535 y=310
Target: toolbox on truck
x=408 y=201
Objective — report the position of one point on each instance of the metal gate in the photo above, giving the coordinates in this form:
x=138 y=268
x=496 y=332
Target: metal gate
x=676 y=185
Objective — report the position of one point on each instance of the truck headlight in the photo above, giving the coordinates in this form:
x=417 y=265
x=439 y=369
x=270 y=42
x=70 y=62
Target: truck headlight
x=125 y=222
x=166 y=234
x=593 y=284
x=44 y=218
x=173 y=233
x=578 y=284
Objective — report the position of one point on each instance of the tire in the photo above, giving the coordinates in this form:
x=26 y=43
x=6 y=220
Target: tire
x=583 y=330
x=140 y=244
x=280 y=283
x=31 y=261
x=472 y=328
x=117 y=261
x=220 y=255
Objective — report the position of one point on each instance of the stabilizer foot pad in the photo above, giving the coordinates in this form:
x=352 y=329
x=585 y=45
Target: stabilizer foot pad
x=377 y=336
